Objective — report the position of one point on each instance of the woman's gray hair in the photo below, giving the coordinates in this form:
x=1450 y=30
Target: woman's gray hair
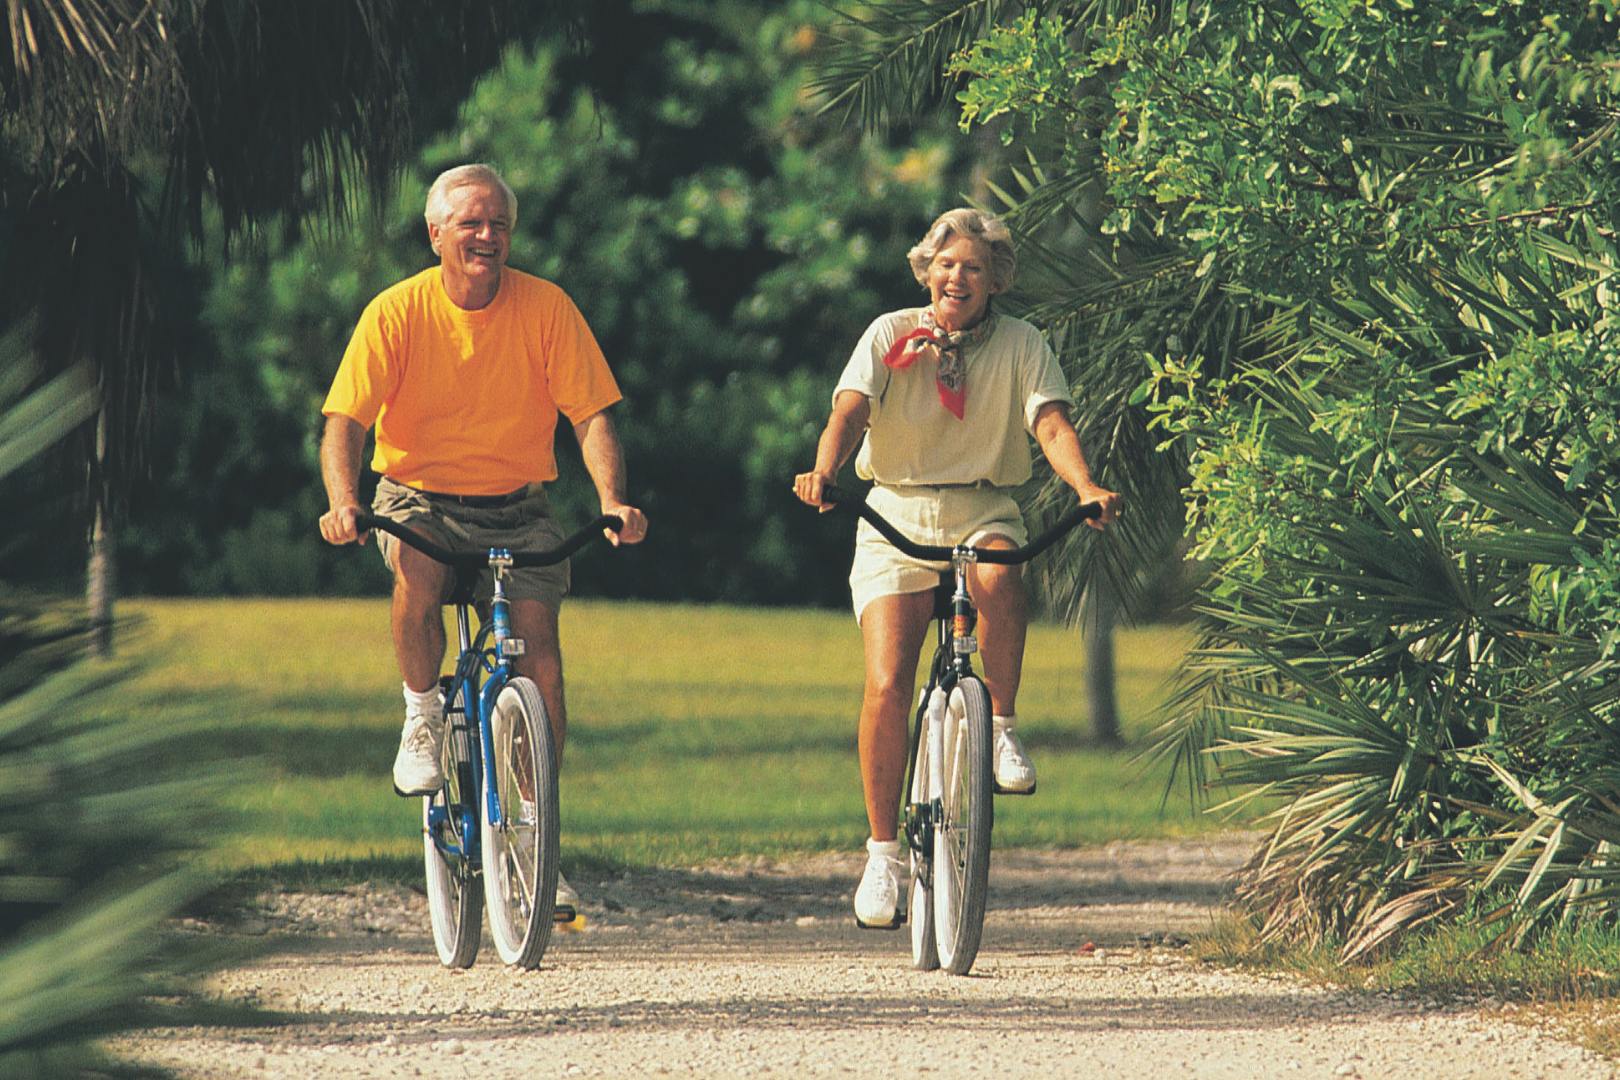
x=437 y=211
x=965 y=221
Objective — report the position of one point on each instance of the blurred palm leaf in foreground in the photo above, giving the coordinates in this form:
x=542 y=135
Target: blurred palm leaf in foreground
x=101 y=825
x=100 y=822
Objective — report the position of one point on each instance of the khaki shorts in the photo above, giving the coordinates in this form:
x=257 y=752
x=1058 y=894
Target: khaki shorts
x=523 y=525
x=928 y=515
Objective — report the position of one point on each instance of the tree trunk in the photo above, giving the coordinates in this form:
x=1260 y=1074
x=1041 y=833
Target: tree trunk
x=101 y=575
x=1098 y=633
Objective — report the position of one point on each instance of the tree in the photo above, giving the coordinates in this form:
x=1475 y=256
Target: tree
x=124 y=121
x=1358 y=259
x=727 y=244
x=123 y=127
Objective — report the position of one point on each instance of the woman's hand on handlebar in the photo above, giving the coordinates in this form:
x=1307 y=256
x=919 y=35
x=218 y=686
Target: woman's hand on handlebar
x=811 y=489
x=341 y=525
x=1109 y=504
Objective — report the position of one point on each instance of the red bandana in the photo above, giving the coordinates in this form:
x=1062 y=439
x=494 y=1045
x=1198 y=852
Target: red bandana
x=947 y=349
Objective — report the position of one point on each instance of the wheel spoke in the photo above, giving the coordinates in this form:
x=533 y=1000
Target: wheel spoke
x=519 y=855
x=455 y=903
x=962 y=833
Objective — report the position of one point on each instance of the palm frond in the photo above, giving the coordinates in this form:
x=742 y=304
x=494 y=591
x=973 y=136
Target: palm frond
x=885 y=62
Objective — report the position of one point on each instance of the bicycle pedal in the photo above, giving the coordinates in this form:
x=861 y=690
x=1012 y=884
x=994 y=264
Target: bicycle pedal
x=572 y=926
x=414 y=794
x=999 y=790
x=899 y=921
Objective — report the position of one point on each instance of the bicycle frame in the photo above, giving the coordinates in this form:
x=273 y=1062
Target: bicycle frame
x=482 y=671
x=483 y=667
x=957 y=619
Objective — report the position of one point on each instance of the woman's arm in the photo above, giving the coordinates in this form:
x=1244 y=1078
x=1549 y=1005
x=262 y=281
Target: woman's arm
x=1061 y=445
x=850 y=412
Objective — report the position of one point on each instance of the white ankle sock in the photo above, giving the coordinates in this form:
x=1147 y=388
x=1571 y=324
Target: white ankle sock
x=426 y=701
x=1003 y=723
x=891 y=848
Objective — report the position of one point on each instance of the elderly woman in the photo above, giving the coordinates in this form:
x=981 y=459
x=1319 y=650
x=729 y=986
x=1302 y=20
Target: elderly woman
x=944 y=396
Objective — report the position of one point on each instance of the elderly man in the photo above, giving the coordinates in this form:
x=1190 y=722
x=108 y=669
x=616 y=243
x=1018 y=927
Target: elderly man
x=463 y=369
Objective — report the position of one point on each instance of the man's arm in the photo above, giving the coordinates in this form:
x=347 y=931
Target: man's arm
x=851 y=412
x=342 y=443
x=604 y=460
x=1061 y=445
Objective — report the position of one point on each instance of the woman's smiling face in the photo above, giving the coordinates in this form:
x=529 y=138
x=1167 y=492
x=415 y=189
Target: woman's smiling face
x=959 y=282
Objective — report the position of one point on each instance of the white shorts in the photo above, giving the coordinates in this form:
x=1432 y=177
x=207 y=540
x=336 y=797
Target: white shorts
x=929 y=515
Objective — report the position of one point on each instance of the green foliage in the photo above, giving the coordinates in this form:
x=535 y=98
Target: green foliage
x=1458 y=963
x=726 y=244
x=101 y=824
x=1354 y=263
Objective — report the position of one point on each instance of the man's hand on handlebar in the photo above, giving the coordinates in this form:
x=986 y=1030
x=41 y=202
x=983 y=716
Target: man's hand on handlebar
x=633 y=527
x=340 y=525
x=810 y=487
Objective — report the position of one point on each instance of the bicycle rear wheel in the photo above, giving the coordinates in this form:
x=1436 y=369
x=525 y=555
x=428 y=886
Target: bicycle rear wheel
x=919 y=840
x=962 y=827
x=520 y=853
x=455 y=903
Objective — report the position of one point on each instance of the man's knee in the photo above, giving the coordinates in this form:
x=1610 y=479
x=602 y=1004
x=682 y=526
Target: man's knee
x=536 y=623
x=420 y=583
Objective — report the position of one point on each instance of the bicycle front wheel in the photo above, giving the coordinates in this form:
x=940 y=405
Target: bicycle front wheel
x=520 y=849
x=455 y=904
x=919 y=839
x=962 y=825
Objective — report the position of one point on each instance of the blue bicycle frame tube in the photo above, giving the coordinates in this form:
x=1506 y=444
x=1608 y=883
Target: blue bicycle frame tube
x=500 y=618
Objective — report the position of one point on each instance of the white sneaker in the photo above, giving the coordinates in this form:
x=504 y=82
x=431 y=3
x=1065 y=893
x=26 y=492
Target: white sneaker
x=416 y=766
x=1015 y=774
x=877 y=898
x=567 y=901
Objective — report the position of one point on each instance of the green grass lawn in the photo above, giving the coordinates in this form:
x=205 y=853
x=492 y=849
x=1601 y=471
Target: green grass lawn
x=695 y=732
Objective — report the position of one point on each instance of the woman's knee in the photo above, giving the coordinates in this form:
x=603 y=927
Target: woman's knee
x=888 y=690
x=998 y=588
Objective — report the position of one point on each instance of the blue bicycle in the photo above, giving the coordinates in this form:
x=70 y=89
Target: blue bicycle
x=496 y=816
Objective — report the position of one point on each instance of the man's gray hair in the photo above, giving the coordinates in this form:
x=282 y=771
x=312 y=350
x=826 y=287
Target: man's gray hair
x=965 y=221
x=438 y=196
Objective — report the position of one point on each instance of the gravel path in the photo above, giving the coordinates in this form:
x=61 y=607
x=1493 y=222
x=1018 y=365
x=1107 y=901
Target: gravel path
x=758 y=969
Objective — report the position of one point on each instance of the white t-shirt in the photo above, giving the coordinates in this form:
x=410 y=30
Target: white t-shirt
x=913 y=439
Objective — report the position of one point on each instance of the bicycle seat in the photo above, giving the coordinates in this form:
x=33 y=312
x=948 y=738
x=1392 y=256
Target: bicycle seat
x=461 y=589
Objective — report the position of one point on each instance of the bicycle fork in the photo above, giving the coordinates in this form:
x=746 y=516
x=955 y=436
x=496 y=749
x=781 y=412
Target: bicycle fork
x=952 y=661
x=506 y=646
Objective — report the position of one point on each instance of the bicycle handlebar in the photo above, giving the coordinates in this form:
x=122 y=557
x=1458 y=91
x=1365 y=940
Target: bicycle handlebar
x=474 y=560
x=832 y=493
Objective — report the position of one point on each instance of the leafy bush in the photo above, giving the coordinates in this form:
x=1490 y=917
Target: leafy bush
x=1360 y=260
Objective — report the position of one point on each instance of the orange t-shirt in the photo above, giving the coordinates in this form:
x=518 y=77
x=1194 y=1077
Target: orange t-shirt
x=466 y=402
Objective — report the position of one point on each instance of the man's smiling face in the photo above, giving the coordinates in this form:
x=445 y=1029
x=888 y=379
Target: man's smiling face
x=476 y=236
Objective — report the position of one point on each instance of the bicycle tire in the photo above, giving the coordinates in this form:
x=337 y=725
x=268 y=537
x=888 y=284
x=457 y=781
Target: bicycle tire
x=520 y=854
x=964 y=817
x=455 y=899
x=920 y=892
